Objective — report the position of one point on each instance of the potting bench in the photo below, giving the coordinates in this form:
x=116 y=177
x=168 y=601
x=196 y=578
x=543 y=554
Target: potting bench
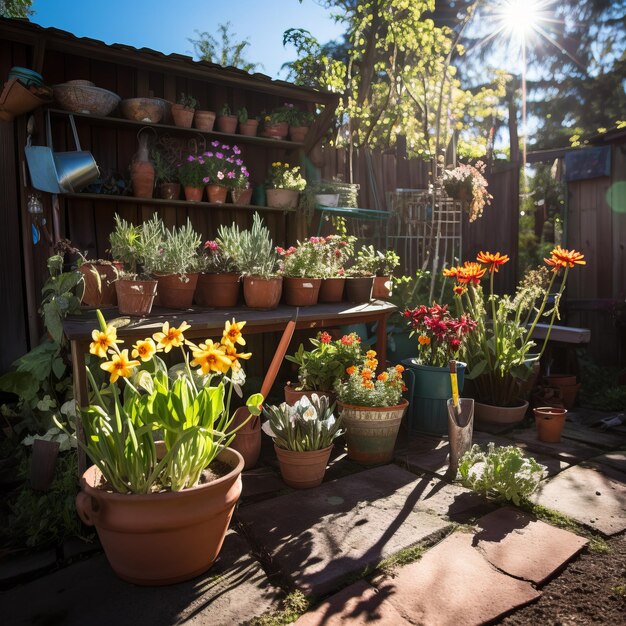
x=207 y=323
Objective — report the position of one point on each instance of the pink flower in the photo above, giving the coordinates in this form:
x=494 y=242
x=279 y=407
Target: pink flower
x=236 y=150
x=225 y=147
x=209 y=154
x=239 y=162
x=220 y=175
x=231 y=174
x=280 y=250
x=191 y=158
x=201 y=160
x=206 y=180
x=215 y=143
x=212 y=246
x=219 y=155
x=325 y=337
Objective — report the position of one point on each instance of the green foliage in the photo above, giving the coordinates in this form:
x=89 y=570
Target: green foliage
x=600 y=386
x=503 y=472
x=242 y=115
x=188 y=101
x=16 y=8
x=293 y=606
x=306 y=426
x=178 y=250
x=137 y=247
x=225 y=110
x=164 y=170
x=305 y=260
x=376 y=262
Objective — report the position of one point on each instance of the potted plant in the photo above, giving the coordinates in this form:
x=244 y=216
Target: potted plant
x=303 y=437
x=498 y=354
x=299 y=124
x=165 y=173
x=204 y=120
x=218 y=282
x=254 y=253
x=302 y=267
x=440 y=339
x=191 y=174
x=360 y=277
x=319 y=368
x=219 y=169
x=276 y=123
x=284 y=185
x=337 y=250
x=177 y=263
x=382 y=264
x=467 y=184
x=136 y=248
x=371 y=408
x=247 y=125
x=149 y=500
x=183 y=111
x=226 y=121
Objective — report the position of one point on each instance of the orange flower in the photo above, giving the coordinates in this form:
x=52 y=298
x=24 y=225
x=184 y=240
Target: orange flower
x=211 y=357
x=493 y=261
x=120 y=365
x=367 y=373
x=471 y=273
x=384 y=376
x=371 y=363
x=368 y=384
x=350 y=370
x=144 y=350
x=399 y=369
x=102 y=341
x=423 y=340
x=451 y=272
x=564 y=258
x=170 y=338
x=371 y=354
x=459 y=290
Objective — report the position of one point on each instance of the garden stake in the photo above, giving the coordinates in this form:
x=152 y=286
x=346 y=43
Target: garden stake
x=455 y=387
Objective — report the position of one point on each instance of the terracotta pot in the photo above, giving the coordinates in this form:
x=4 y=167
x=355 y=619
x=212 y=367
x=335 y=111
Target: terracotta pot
x=331 y=289
x=561 y=380
x=359 y=289
x=204 y=120
x=282 y=198
x=550 y=422
x=298 y=133
x=135 y=297
x=162 y=538
x=569 y=396
x=218 y=290
x=194 y=194
x=381 y=289
x=262 y=293
x=241 y=196
x=216 y=193
x=142 y=177
x=292 y=395
x=176 y=292
x=17 y=99
x=371 y=432
x=249 y=128
x=99 y=284
x=301 y=291
x=303 y=470
x=276 y=131
x=182 y=116
x=247 y=441
x=226 y=123
x=490 y=414
x=169 y=191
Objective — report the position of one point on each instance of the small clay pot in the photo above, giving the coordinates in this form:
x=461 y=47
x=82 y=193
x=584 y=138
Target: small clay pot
x=176 y=292
x=241 y=196
x=298 y=133
x=204 y=120
x=301 y=291
x=135 y=297
x=194 y=194
x=249 y=128
x=303 y=470
x=216 y=193
x=226 y=123
x=262 y=293
x=183 y=116
x=550 y=422
x=381 y=289
x=169 y=191
x=359 y=289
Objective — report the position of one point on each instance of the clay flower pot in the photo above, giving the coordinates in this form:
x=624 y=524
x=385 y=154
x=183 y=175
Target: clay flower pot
x=102 y=294
x=241 y=196
x=194 y=194
x=249 y=128
x=204 y=120
x=301 y=291
x=550 y=422
x=298 y=133
x=292 y=395
x=359 y=289
x=276 y=131
x=262 y=293
x=176 y=292
x=489 y=414
x=303 y=470
x=282 y=198
x=247 y=441
x=183 y=116
x=331 y=289
x=216 y=193
x=226 y=123
x=218 y=290
x=169 y=191
x=135 y=297
x=381 y=289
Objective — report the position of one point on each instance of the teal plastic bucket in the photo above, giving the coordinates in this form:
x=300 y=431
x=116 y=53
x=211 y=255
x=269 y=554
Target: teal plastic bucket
x=429 y=390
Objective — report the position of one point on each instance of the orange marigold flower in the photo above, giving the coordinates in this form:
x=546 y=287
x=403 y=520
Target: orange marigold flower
x=559 y=257
x=366 y=373
x=371 y=354
x=451 y=272
x=459 y=290
x=399 y=368
x=471 y=273
x=368 y=384
x=350 y=370
x=423 y=340
x=384 y=376
x=371 y=363
x=170 y=338
x=492 y=261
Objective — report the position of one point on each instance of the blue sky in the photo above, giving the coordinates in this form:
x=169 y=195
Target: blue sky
x=166 y=25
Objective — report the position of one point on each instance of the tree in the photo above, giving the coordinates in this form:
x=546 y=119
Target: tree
x=16 y=8
x=226 y=52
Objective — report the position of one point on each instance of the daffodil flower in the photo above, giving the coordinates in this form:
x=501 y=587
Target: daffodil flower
x=232 y=333
x=144 y=350
x=119 y=365
x=102 y=341
x=170 y=338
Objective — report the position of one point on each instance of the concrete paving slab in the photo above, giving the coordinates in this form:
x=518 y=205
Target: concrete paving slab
x=261 y=482
x=615 y=460
x=454 y=584
x=428 y=459
x=359 y=604
x=26 y=567
x=587 y=495
x=522 y=546
x=233 y=591
x=593 y=436
x=321 y=537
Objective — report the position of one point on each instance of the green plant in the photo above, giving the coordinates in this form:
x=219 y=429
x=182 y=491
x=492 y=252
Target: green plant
x=498 y=355
x=188 y=101
x=191 y=409
x=279 y=115
x=319 y=368
x=178 y=252
x=253 y=250
x=137 y=247
x=467 y=181
x=364 y=388
x=305 y=426
x=164 y=170
x=501 y=471
x=191 y=172
x=306 y=260
x=242 y=115
x=283 y=176
x=216 y=259
x=223 y=165
x=372 y=261
x=225 y=110
x=338 y=249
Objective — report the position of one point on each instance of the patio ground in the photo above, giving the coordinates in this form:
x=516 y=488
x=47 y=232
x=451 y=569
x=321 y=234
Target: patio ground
x=397 y=544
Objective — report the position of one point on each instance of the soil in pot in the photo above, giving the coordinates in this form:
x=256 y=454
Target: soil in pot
x=262 y=293
x=550 y=422
x=176 y=292
x=301 y=291
x=218 y=290
x=135 y=297
x=303 y=470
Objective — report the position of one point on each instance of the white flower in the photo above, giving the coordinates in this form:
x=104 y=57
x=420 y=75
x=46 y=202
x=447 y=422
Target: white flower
x=310 y=415
x=267 y=429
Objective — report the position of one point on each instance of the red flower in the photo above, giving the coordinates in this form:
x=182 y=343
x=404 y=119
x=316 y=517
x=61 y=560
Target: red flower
x=560 y=257
x=325 y=337
x=493 y=261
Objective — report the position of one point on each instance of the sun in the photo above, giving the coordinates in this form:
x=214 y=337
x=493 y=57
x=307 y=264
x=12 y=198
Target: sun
x=521 y=17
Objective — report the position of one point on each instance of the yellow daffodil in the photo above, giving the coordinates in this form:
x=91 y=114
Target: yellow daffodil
x=231 y=352
x=119 y=365
x=102 y=341
x=232 y=333
x=144 y=350
x=170 y=338
x=211 y=357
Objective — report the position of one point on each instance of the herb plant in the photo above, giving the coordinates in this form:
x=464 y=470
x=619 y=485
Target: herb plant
x=253 y=250
x=306 y=260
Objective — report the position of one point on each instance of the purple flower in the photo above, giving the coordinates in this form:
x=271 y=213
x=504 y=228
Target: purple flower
x=220 y=175
x=244 y=171
x=219 y=155
x=230 y=160
x=215 y=143
x=231 y=174
x=225 y=147
x=191 y=158
x=238 y=162
x=201 y=160
x=236 y=150
x=206 y=180
x=209 y=154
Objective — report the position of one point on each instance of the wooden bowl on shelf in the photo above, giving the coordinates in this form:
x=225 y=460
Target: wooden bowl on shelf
x=79 y=96
x=149 y=110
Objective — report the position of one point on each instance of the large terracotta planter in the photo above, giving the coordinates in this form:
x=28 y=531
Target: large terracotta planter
x=276 y=131
x=142 y=177
x=194 y=194
x=293 y=395
x=331 y=289
x=135 y=297
x=249 y=128
x=371 y=432
x=298 y=133
x=303 y=470
x=182 y=116
x=162 y=538
x=381 y=289
x=247 y=441
x=301 y=291
x=174 y=292
x=566 y=383
x=216 y=193
x=204 y=120
x=550 y=422
x=281 y=198
x=102 y=294
x=218 y=290
x=262 y=293
x=489 y=415
x=226 y=123
x=359 y=289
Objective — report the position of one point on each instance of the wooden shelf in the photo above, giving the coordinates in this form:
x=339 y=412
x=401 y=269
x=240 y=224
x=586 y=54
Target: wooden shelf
x=101 y=197
x=266 y=142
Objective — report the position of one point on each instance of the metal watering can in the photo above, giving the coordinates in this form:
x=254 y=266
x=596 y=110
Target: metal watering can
x=60 y=172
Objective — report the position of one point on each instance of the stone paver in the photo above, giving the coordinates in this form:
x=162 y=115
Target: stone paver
x=261 y=482
x=524 y=547
x=453 y=584
x=587 y=495
x=359 y=604
x=234 y=590
x=593 y=436
x=26 y=566
x=322 y=536
x=615 y=460
x=425 y=454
